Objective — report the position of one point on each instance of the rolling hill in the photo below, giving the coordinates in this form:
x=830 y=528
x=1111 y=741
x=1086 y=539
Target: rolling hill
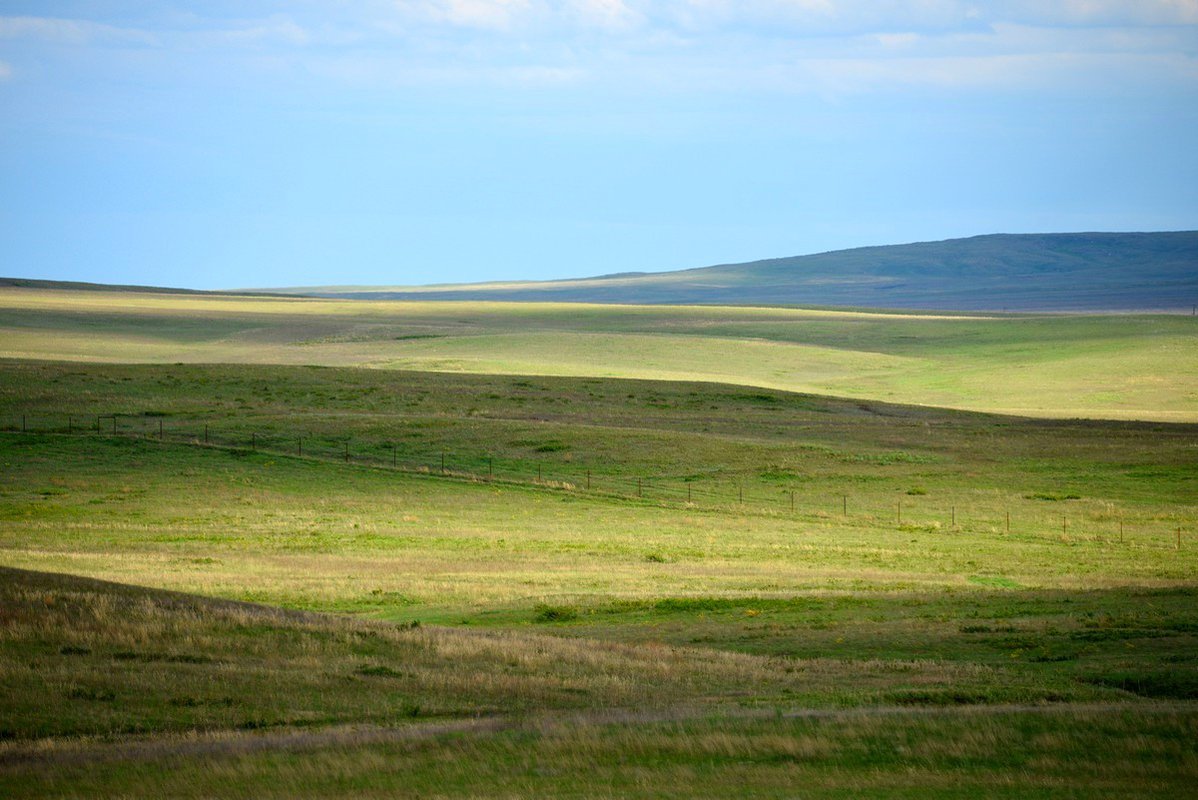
x=1018 y=272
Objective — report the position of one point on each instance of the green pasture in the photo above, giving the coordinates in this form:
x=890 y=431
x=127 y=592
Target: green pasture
x=866 y=559
x=118 y=691
x=423 y=579
x=1108 y=366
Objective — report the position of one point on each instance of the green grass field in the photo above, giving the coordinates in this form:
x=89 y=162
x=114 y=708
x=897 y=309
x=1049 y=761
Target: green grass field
x=581 y=585
x=1121 y=367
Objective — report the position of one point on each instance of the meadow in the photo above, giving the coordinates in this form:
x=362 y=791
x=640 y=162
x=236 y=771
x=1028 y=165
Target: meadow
x=285 y=578
x=1141 y=367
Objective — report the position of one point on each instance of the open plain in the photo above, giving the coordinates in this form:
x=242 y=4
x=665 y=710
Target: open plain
x=271 y=547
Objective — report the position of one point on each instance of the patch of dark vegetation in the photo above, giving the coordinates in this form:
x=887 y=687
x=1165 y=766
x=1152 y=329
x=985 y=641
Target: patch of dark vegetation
x=940 y=697
x=407 y=336
x=1173 y=685
x=1052 y=496
x=544 y=612
x=656 y=558
x=1116 y=634
x=257 y=724
x=92 y=694
x=74 y=650
x=163 y=658
x=969 y=697
x=1053 y=654
x=689 y=605
x=188 y=701
x=377 y=671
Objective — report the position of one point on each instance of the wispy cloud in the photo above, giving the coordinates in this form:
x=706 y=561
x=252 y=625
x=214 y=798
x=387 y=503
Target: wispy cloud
x=282 y=31
x=1100 y=12
x=71 y=31
x=826 y=46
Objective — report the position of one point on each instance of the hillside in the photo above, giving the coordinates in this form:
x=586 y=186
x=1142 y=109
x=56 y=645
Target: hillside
x=1017 y=272
x=257 y=581
x=1132 y=366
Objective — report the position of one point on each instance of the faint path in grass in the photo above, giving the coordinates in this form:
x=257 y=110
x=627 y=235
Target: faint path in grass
x=218 y=744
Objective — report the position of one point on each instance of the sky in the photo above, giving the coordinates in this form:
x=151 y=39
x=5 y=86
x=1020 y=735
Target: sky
x=398 y=142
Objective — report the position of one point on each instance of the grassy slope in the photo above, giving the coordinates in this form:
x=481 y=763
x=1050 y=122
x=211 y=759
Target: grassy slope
x=752 y=577
x=1095 y=271
x=1137 y=367
x=188 y=697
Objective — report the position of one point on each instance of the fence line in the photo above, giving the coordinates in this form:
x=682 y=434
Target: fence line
x=648 y=489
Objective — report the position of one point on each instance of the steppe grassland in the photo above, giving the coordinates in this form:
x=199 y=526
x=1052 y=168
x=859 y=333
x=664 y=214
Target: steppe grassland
x=140 y=692
x=1126 y=367
x=1019 y=616
x=1045 y=659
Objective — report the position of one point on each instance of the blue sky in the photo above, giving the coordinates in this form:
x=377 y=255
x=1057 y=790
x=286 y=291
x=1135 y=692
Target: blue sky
x=233 y=144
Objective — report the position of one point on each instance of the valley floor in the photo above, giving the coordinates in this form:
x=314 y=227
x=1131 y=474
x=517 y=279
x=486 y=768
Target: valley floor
x=277 y=581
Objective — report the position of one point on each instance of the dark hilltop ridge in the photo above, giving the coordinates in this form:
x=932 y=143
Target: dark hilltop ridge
x=1016 y=272
x=1084 y=272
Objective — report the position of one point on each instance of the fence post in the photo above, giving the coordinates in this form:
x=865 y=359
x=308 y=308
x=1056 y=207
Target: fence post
x=1064 y=525
x=393 y=455
x=588 y=480
x=898 y=507
x=953 y=523
x=1120 y=530
x=792 y=500
x=347 y=452
x=443 y=463
x=638 y=488
x=845 y=504
x=740 y=493
x=299 y=446
x=1179 y=538
x=160 y=429
x=490 y=468
x=1008 y=522
x=205 y=433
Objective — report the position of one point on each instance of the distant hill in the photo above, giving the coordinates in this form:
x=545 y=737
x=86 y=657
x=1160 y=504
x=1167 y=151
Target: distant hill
x=82 y=286
x=1018 y=272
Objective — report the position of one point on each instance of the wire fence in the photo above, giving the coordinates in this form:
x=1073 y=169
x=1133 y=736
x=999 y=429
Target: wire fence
x=727 y=494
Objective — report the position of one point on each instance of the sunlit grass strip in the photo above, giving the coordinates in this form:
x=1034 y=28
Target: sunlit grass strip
x=1163 y=531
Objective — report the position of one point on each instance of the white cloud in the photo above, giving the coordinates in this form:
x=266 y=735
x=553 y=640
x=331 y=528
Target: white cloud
x=281 y=30
x=396 y=72
x=1100 y=12
x=824 y=45
x=481 y=14
x=605 y=14
x=69 y=31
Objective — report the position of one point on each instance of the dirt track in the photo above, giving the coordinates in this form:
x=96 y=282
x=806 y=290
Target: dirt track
x=235 y=743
